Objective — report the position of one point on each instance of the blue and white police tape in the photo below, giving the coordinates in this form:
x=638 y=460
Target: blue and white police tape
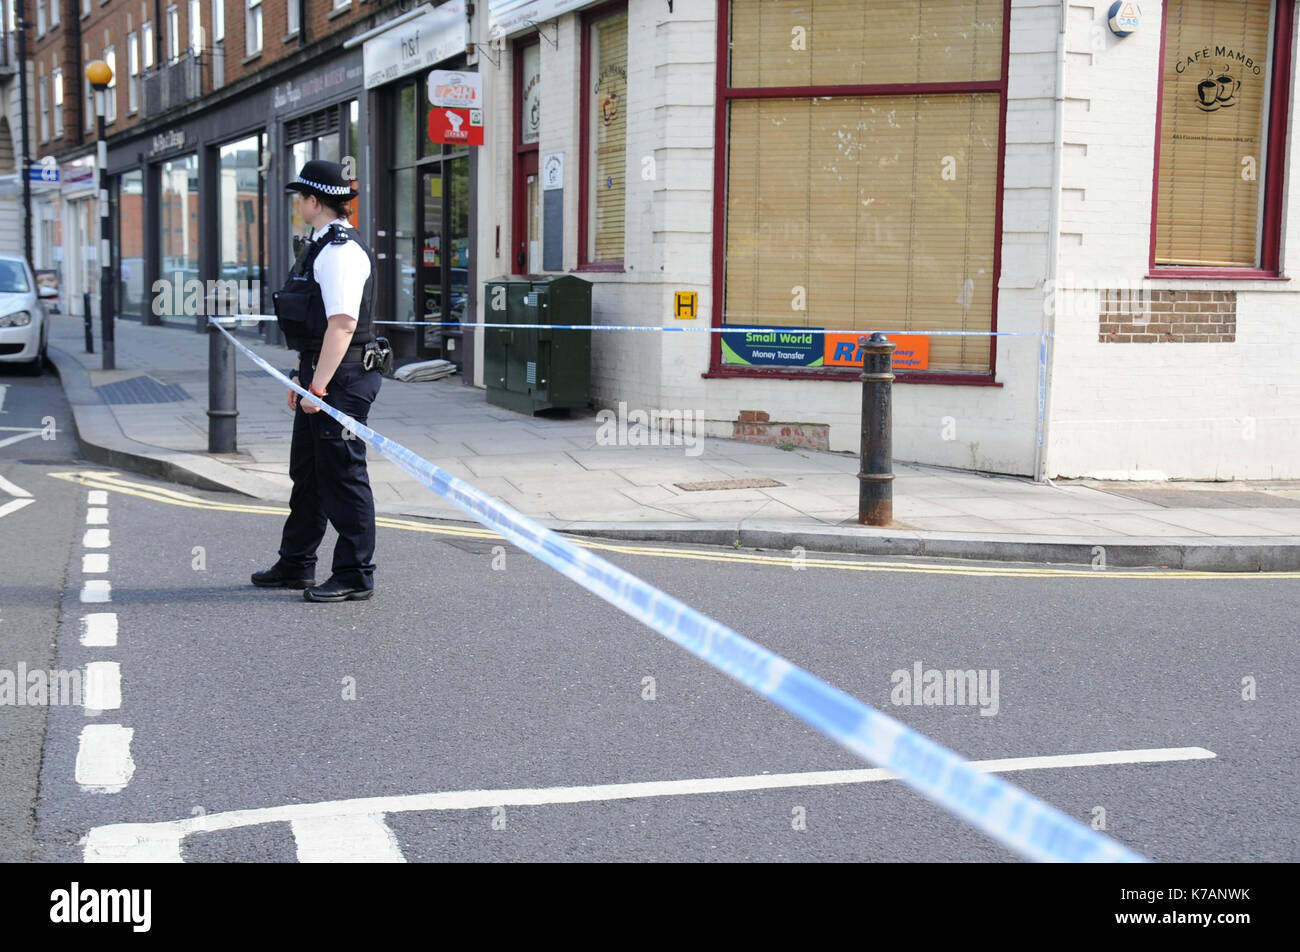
x=661 y=328
x=1011 y=816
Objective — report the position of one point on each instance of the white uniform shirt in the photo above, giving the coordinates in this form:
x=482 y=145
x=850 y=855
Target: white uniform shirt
x=341 y=271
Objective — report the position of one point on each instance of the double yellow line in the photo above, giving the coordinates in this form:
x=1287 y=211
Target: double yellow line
x=113 y=482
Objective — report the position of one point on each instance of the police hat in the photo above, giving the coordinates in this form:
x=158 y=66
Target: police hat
x=322 y=179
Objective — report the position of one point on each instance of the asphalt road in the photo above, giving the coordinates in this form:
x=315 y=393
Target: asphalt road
x=476 y=668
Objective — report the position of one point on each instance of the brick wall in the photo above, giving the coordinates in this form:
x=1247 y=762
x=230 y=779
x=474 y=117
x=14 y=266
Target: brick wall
x=108 y=24
x=1173 y=317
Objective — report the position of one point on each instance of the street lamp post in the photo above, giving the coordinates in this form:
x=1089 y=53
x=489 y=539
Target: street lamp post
x=100 y=75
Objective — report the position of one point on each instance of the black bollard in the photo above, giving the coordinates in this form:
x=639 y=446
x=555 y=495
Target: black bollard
x=221 y=393
x=876 y=479
x=87 y=320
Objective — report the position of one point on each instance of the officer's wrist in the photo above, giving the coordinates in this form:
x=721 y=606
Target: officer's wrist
x=319 y=393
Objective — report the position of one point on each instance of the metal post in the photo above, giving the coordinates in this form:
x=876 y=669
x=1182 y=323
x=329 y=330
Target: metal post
x=222 y=413
x=26 y=165
x=876 y=479
x=105 y=230
x=88 y=321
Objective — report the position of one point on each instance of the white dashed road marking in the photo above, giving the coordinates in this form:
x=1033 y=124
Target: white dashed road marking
x=104 y=762
x=97 y=516
x=95 y=539
x=99 y=630
x=96 y=590
x=94 y=562
x=102 y=688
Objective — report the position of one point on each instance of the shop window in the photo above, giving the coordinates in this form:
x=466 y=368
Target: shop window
x=178 y=229
x=862 y=204
x=1221 y=135
x=603 y=196
x=240 y=221
x=128 y=243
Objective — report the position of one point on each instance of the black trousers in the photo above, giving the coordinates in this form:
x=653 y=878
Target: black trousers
x=330 y=484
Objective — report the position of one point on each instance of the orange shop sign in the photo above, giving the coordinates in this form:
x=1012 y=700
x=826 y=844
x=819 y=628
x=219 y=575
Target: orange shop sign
x=912 y=353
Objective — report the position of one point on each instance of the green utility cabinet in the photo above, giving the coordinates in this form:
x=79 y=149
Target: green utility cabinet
x=534 y=369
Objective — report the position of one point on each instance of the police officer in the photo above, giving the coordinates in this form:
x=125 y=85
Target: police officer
x=325 y=311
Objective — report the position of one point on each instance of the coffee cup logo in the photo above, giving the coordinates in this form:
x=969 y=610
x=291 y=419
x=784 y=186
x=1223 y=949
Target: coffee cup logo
x=1217 y=92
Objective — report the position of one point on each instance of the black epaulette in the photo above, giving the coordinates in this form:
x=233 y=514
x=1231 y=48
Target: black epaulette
x=338 y=236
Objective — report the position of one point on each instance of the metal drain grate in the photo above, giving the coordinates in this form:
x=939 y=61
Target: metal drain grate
x=728 y=484
x=141 y=390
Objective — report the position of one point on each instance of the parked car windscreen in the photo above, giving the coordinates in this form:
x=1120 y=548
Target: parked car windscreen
x=13 y=278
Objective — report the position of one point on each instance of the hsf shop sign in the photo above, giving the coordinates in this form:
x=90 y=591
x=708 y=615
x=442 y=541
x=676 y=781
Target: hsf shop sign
x=456 y=98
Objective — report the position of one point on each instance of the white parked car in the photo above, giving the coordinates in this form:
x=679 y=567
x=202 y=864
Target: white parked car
x=24 y=331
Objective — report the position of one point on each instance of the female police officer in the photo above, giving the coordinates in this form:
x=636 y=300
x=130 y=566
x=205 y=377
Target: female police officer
x=325 y=312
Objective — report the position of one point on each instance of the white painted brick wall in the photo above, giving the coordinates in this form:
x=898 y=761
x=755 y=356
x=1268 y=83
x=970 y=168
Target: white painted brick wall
x=1182 y=410
x=1115 y=408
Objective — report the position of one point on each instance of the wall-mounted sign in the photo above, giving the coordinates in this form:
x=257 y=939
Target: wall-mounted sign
x=686 y=305
x=435 y=35
x=318 y=86
x=912 y=351
x=553 y=171
x=456 y=126
x=1125 y=17
x=166 y=141
x=511 y=16
x=808 y=347
x=458 y=89
x=773 y=347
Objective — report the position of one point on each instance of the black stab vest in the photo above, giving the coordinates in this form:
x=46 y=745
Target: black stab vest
x=299 y=306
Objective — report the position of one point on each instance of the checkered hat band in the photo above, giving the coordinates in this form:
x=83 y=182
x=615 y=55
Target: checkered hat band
x=327 y=189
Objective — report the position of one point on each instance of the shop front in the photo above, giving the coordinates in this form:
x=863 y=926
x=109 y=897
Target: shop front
x=423 y=190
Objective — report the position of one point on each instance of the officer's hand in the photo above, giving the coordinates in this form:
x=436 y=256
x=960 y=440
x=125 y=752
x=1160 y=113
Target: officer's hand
x=291 y=398
x=309 y=405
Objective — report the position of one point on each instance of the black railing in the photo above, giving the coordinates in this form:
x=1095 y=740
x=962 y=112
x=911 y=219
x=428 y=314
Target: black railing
x=172 y=85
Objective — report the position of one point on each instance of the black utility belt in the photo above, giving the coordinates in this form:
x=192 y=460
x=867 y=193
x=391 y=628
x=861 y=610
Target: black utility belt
x=353 y=354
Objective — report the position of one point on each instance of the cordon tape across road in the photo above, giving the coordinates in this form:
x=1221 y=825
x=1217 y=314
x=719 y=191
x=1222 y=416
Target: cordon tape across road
x=1002 y=810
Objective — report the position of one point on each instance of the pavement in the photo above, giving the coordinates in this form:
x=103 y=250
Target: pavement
x=557 y=471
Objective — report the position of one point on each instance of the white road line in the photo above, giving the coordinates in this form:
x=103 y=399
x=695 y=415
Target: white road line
x=97 y=516
x=97 y=497
x=94 y=562
x=101 y=689
x=346 y=839
x=160 y=842
x=99 y=630
x=4 y=391
x=96 y=590
x=11 y=489
x=95 y=539
x=14 y=506
x=27 y=435
x=104 y=763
